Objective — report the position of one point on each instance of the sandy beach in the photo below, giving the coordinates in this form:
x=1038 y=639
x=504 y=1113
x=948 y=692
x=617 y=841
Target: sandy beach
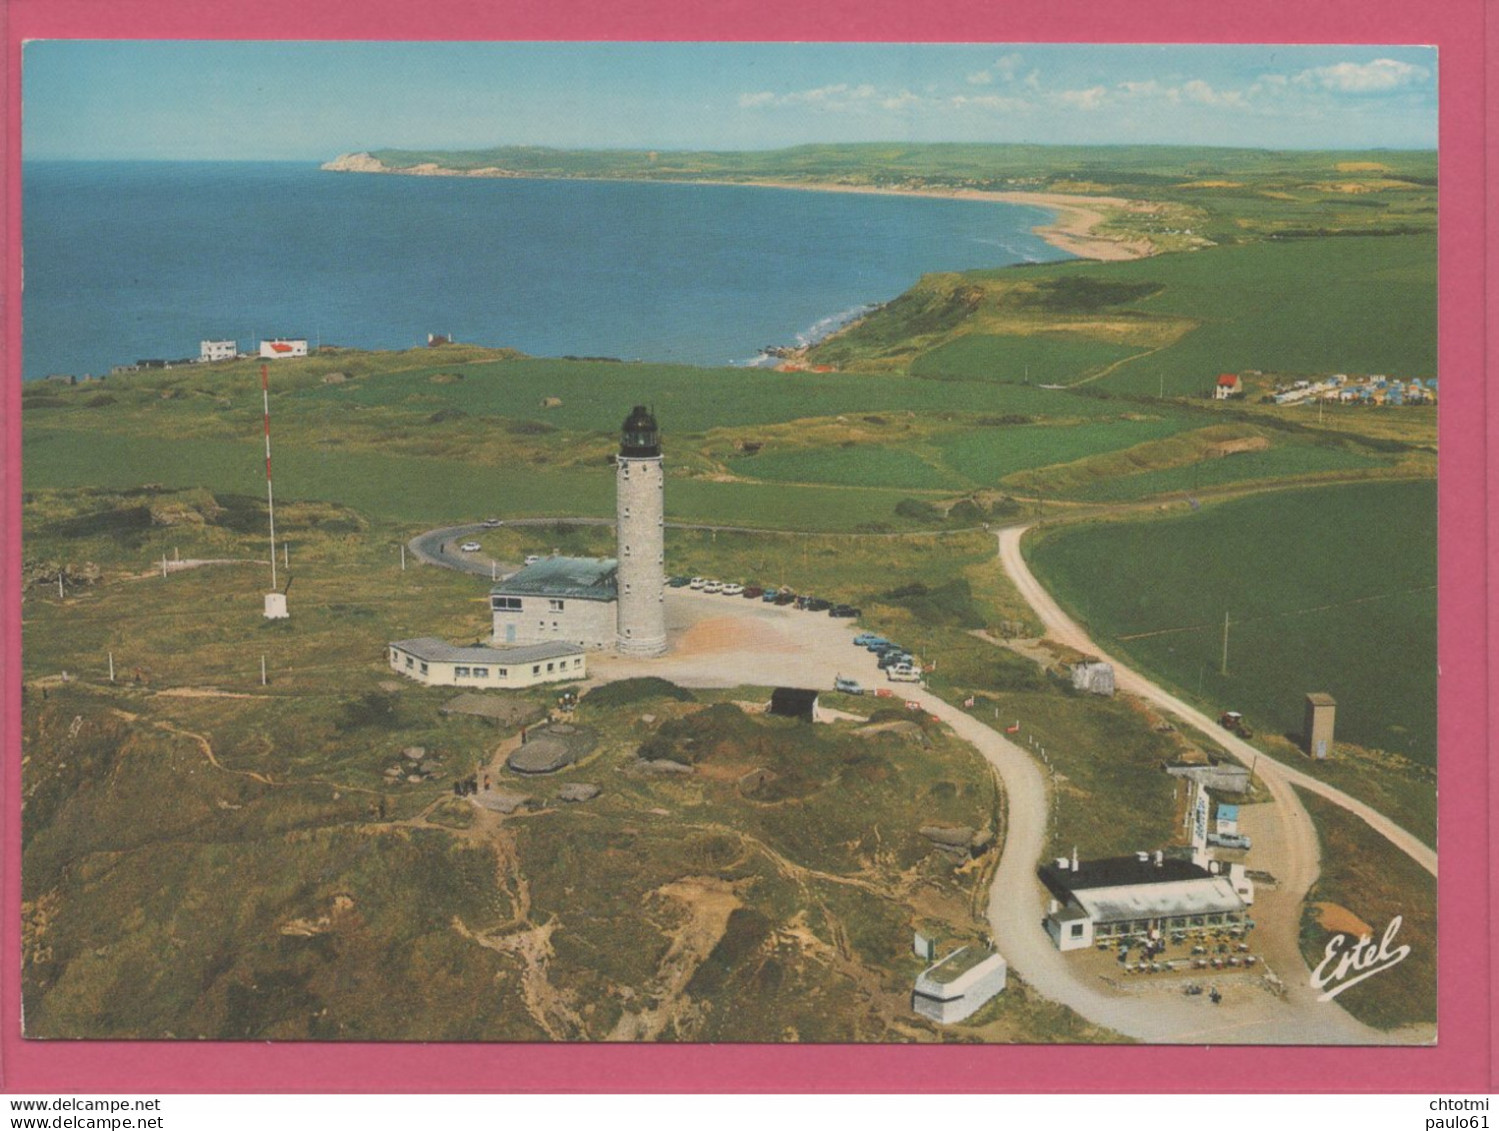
x=1072 y=231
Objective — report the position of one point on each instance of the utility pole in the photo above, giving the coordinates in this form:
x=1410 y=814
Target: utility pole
x=262 y=671
x=403 y=557
x=1224 y=669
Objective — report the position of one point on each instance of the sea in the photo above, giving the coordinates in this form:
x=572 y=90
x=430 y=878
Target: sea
x=131 y=260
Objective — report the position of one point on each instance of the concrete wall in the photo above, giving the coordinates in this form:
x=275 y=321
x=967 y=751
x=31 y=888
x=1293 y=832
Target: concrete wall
x=589 y=624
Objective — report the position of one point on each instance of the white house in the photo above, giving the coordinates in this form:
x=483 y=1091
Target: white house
x=558 y=599
x=1138 y=896
x=955 y=988
x=217 y=351
x=283 y=347
x=440 y=664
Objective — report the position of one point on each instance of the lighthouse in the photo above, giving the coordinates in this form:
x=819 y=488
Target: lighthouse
x=640 y=515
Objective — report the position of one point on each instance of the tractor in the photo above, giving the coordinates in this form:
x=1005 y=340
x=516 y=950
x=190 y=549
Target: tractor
x=1233 y=721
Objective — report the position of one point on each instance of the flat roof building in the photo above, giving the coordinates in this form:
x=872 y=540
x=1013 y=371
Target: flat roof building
x=558 y=599
x=956 y=987
x=437 y=663
x=1136 y=896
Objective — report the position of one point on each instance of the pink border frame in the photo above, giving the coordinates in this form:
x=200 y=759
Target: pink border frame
x=1465 y=1057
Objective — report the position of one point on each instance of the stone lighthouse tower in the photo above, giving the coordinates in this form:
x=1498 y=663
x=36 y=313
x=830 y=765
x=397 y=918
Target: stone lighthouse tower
x=640 y=510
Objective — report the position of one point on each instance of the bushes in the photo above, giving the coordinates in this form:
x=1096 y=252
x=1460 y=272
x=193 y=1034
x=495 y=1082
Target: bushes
x=636 y=691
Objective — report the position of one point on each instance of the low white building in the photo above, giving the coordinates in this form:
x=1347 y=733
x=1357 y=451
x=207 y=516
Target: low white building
x=440 y=664
x=558 y=599
x=283 y=347
x=1139 y=896
x=217 y=351
x=956 y=987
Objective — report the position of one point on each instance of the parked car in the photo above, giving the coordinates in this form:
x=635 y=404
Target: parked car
x=697 y=583
x=471 y=547
x=848 y=686
x=713 y=587
x=491 y=523
x=770 y=596
x=817 y=605
x=885 y=647
x=753 y=591
x=1228 y=840
x=843 y=611
x=893 y=659
x=733 y=589
x=867 y=639
x=532 y=559
x=785 y=598
x=903 y=673
x=678 y=582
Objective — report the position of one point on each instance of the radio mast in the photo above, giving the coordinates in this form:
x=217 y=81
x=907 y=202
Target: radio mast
x=275 y=602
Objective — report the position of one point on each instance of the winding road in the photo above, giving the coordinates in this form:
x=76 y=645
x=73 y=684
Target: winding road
x=1065 y=630
x=808 y=649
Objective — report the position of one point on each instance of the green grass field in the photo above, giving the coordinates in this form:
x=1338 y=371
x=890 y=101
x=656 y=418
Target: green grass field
x=1329 y=589
x=1294 y=306
x=1363 y=873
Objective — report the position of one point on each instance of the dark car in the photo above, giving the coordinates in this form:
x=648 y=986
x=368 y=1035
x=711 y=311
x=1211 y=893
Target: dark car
x=678 y=582
x=753 y=591
x=818 y=605
x=891 y=659
x=843 y=611
x=770 y=596
x=785 y=598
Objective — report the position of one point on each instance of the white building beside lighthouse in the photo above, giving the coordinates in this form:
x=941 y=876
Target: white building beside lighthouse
x=640 y=503
x=601 y=603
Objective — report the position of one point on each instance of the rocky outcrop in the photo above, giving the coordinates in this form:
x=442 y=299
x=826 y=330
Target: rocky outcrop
x=355 y=163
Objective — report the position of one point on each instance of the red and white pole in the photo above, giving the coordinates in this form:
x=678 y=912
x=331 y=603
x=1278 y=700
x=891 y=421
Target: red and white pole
x=270 y=498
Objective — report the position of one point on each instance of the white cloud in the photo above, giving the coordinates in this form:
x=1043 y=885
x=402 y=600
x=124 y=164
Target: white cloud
x=837 y=96
x=1150 y=88
x=1198 y=91
x=1365 y=78
x=902 y=101
x=981 y=78
x=1007 y=66
x=1090 y=99
x=988 y=102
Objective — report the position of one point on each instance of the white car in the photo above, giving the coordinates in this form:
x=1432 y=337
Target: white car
x=491 y=523
x=697 y=583
x=532 y=559
x=733 y=589
x=903 y=673
x=713 y=587
x=471 y=547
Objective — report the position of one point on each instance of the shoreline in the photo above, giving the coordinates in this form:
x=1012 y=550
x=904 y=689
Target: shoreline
x=1072 y=229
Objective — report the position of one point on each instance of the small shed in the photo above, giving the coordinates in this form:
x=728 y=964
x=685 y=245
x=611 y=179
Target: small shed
x=794 y=703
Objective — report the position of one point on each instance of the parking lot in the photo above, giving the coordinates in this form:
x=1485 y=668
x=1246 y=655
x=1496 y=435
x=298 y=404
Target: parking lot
x=721 y=641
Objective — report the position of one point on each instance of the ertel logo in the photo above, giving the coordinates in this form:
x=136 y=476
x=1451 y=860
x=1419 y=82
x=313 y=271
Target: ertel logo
x=1347 y=963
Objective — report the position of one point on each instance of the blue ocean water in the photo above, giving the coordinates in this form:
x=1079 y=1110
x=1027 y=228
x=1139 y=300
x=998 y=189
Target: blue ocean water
x=128 y=260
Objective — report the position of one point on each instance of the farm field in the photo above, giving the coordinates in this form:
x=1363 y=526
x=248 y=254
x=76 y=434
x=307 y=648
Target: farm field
x=1327 y=589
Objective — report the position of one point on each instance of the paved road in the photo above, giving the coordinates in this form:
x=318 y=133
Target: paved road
x=1063 y=628
x=717 y=641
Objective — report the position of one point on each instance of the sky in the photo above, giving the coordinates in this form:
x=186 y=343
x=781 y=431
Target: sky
x=185 y=100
